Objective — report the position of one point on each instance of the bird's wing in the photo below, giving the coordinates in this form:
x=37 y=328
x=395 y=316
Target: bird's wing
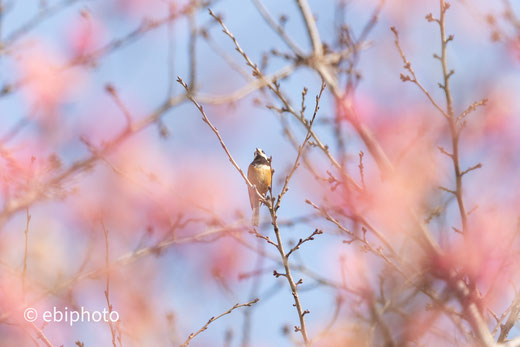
x=252 y=194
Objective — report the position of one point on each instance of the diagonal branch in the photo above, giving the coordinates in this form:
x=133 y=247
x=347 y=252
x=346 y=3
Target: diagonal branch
x=300 y=149
x=212 y=319
x=312 y=29
x=224 y=147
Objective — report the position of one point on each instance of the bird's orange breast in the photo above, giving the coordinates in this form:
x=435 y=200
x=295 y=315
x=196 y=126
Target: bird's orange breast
x=260 y=176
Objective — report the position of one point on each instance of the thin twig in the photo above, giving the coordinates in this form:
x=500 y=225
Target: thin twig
x=41 y=335
x=212 y=319
x=475 y=167
x=302 y=241
x=413 y=77
x=215 y=130
x=107 y=290
x=300 y=149
x=111 y=90
x=288 y=275
x=24 y=271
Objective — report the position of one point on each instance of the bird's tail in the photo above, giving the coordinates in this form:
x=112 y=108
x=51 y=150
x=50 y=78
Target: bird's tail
x=255 y=218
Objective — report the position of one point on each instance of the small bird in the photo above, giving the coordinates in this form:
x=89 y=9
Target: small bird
x=259 y=174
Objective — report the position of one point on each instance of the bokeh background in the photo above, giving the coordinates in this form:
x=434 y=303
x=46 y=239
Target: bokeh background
x=71 y=70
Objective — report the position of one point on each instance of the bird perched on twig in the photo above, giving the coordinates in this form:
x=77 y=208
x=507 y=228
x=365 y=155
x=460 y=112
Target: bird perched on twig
x=259 y=174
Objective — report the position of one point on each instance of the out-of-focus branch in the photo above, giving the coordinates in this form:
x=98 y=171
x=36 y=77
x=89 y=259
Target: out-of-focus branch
x=111 y=90
x=145 y=27
x=398 y=267
x=192 y=46
x=24 y=270
x=2 y=10
x=41 y=335
x=254 y=291
x=171 y=48
x=323 y=68
x=44 y=191
x=42 y=15
x=310 y=25
x=212 y=319
x=107 y=290
x=511 y=320
x=462 y=291
x=127 y=259
x=278 y=28
x=248 y=88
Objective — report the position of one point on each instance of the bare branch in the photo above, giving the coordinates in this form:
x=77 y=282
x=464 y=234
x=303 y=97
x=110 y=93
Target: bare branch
x=110 y=89
x=24 y=270
x=107 y=290
x=413 y=78
x=312 y=29
x=471 y=108
x=302 y=241
x=212 y=319
x=301 y=148
x=475 y=167
x=513 y=318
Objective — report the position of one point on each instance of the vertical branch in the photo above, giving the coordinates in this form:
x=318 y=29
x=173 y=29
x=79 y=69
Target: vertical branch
x=285 y=260
x=1 y=23
x=464 y=293
x=24 y=271
x=192 y=42
x=373 y=146
x=107 y=290
x=255 y=286
x=171 y=55
x=452 y=121
x=273 y=207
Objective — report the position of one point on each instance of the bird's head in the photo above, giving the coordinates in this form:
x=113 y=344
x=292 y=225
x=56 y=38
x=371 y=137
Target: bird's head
x=260 y=153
